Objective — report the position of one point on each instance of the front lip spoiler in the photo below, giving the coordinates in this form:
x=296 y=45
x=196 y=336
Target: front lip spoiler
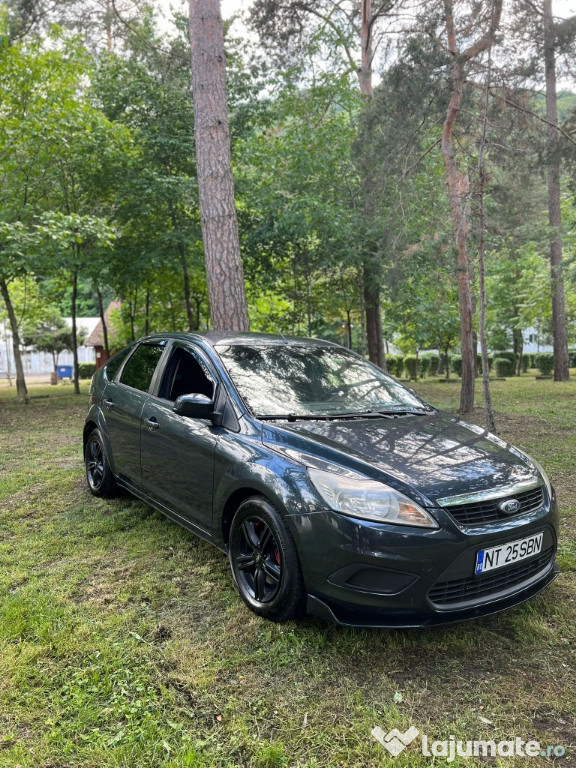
x=345 y=618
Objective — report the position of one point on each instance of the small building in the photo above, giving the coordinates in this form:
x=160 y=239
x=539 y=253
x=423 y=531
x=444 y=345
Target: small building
x=96 y=338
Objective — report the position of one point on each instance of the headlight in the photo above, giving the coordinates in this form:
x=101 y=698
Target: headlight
x=369 y=500
x=541 y=470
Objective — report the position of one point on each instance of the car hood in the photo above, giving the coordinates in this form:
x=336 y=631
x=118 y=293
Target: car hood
x=437 y=455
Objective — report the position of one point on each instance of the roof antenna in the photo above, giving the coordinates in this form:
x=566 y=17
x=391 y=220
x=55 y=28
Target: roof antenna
x=273 y=324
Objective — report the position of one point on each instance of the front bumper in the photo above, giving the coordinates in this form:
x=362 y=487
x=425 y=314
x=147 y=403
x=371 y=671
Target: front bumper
x=360 y=573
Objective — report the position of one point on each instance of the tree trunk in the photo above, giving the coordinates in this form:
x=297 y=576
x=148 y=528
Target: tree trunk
x=224 y=271
x=561 y=360
x=74 y=331
x=458 y=188
x=147 y=312
x=103 y=321
x=373 y=322
x=371 y=271
x=365 y=73
x=488 y=409
x=21 y=389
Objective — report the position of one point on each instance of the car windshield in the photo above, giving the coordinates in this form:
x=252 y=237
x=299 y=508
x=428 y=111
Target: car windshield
x=300 y=381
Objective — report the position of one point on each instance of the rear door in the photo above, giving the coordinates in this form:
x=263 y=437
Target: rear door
x=123 y=402
x=177 y=452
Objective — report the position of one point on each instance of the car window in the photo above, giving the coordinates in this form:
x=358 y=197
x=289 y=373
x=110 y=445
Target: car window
x=114 y=364
x=185 y=375
x=139 y=369
x=308 y=380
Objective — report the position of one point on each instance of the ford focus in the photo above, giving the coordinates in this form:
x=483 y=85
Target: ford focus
x=333 y=489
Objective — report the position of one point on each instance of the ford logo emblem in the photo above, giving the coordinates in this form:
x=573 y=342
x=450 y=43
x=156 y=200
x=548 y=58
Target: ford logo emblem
x=510 y=506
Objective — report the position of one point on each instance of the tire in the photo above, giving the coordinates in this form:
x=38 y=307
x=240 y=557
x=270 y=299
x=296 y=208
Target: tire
x=99 y=475
x=265 y=563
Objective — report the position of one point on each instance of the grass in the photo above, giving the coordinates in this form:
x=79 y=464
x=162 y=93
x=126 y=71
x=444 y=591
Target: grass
x=123 y=642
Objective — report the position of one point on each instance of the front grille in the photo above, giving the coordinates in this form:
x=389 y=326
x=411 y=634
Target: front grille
x=483 y=512
x=473 y=588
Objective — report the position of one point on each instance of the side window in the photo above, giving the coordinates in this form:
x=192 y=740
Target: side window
x=185 y=375
x=113 y=365
x=140 y=367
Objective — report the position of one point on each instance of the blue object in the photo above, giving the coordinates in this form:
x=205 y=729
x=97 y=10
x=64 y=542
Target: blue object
x=64 y=371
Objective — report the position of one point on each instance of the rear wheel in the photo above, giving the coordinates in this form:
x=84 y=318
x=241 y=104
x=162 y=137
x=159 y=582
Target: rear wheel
x=265 y=562
x=98 y=472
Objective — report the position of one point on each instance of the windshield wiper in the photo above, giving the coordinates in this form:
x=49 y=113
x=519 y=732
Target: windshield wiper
x=386 y=414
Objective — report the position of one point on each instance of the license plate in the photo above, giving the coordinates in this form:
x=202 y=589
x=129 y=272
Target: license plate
x=506 y=554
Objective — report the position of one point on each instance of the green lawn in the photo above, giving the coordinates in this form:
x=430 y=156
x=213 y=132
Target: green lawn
x=123 y=642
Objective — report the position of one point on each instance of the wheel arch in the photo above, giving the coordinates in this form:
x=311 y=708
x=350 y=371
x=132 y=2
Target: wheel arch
x=89 y=427
x=233 y=502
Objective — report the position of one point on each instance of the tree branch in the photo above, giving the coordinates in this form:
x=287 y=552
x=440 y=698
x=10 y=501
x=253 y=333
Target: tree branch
x=533 y=114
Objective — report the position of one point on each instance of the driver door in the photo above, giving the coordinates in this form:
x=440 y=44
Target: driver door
x=177 y=452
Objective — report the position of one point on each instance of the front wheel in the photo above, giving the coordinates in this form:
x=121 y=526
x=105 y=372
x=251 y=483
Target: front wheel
x=98 y=471
x=265 y=563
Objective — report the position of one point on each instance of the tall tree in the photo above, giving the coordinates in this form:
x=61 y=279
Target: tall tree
x=561 y=361
x=225 y=273
x=457 y=180
x=350 y=27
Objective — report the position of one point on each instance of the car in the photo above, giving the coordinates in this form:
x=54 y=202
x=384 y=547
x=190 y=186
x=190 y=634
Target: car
x=333 y=488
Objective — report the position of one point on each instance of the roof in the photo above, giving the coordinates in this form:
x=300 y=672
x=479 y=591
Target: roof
x=237 y=338
x=96 y=338
x=86 y=324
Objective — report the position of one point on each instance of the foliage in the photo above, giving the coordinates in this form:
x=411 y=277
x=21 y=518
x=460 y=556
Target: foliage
x=504 y=367
x=411 y=365
x=431 y=362
x=52 y=335
x=86 y=370
x=544 y=362
x=456 y=364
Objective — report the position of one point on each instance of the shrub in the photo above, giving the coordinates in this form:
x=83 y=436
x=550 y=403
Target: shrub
x=479 y=363
x=423 y=366
x=504 y=367
x=86 y=370
x=572 y=357
x=532 y=363
x=525 y=363
x=394 y=365
x=509 y=355
x=456 y=364
x=545 y=363
x=411 y=365
x=433 y=363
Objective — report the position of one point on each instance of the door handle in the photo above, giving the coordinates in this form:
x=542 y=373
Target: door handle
x=109 y=404
x=152 y=423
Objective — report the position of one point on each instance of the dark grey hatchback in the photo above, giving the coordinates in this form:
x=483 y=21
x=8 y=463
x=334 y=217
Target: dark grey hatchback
x=333 y=488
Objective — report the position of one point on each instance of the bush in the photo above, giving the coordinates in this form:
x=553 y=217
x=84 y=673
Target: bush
x=456 y=364
x=86 y=370
x=504 y=367
x=395 y=365
x=411 y=365
x=545 y=363
x=525 y=363
x=432 y=363
x=507 y=356
x=532 y=363
x=572 y=357
x=479 y=363
x=423 y=366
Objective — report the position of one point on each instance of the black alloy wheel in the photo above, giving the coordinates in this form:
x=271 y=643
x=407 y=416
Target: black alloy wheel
x=98 y=472
x=264 y=561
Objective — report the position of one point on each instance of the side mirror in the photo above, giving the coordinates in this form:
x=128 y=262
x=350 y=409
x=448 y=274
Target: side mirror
x=196 y=406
